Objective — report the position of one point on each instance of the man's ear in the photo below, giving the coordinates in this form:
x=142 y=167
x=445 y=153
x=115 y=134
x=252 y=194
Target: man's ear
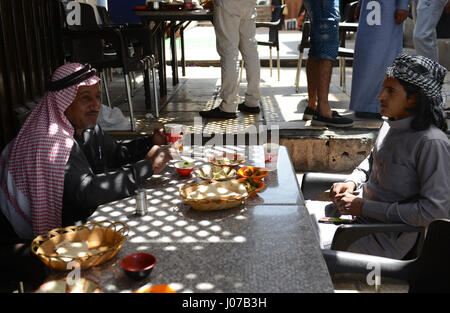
x=412 y=100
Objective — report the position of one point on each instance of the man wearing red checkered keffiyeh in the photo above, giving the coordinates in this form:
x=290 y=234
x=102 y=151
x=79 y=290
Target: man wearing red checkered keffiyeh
x=52 y=173
x=33 y=163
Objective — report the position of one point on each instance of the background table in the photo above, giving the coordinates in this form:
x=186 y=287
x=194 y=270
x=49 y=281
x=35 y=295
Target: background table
x=177 y=20
x=267 y=244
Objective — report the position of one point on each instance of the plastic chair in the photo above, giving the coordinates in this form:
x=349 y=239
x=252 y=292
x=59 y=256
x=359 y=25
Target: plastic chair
x=429 y=272
x=313 y=184
x=343 y=52
x=347 y=9
x=86 y=44
x=273 y=41
x=135 y=34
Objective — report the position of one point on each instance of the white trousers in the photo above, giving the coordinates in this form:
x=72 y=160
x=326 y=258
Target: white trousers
x=426 y=15
x=234 y=24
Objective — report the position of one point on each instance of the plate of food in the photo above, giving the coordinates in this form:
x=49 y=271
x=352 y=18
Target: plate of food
x=257 y=173
x=155 y=289
x=209 y=172
x=207 y=4
x=252 y=185
x=228 y=159
x=213 y=195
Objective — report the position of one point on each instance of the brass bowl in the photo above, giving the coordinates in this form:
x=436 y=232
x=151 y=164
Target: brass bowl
x=104 y=239
x=83 y=285
x=217 y=201
x=257 y=173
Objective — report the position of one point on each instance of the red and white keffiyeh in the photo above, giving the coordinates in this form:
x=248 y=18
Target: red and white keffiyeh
x=32 y=165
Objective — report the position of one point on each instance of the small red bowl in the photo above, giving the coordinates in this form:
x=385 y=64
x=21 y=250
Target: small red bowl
x=138 y=265
x=184 y=171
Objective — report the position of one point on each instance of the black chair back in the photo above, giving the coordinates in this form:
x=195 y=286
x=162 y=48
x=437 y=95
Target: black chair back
x=348 y=12
x=86 y=50
x=432 y=270
x=104 y=15
x=278 y=17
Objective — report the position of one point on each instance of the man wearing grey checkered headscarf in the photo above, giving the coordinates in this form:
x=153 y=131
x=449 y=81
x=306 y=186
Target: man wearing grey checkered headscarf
x=426 y=74
x=418 y=74
x=405 y=177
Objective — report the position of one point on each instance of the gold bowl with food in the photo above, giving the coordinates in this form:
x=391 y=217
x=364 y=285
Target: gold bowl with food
x=89 y=244
x=252 y=185
x=255 y=172
x=207 y=4
x=82 y=285
x=214 y=172
x=214 y=195
x=227 y=159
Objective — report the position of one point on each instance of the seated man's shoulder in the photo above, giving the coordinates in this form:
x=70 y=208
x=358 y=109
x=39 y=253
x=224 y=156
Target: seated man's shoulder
x=434 y=133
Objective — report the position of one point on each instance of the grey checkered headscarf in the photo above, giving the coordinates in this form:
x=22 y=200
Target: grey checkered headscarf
x=422 y=72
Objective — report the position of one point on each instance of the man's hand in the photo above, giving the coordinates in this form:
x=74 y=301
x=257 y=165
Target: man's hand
x=348 y=204
x=447 y=7
x=338 y=190
x=400 y=16
x=159 y=138
x=356 y=14
x=158 y=157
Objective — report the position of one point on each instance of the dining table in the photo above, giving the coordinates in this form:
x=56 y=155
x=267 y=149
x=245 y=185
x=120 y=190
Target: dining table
x=162 y=20
x=267 y=244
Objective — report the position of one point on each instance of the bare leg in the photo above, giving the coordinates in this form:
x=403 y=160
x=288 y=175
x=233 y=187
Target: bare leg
x=312 y=70
x=325 y=69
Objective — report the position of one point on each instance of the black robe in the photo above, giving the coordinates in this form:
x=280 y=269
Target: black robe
x=100 y=170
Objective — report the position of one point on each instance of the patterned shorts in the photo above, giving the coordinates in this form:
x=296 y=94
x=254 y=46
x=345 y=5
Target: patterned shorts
x=324 y=38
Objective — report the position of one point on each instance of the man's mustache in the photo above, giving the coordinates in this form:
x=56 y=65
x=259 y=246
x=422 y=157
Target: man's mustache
x=92 y=112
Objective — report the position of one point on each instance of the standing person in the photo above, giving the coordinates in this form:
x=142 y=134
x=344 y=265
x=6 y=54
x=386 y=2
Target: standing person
x=378 y=41
x=426 y=15
x=324 y=41
x=234 y=25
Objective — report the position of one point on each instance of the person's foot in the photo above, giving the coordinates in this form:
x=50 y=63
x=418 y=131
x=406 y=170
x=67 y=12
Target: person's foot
x=217 y=113
x=336 y=120
x=309 y=113
x=368 y=115
x=244 y=108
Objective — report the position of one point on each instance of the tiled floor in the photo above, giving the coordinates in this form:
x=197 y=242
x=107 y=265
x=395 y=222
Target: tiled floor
x=199 y=89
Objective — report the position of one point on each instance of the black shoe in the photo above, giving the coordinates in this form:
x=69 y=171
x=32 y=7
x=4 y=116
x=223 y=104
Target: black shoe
x=308 y=114
x=244 y=108
x=336 y=120
x=369 y=115
x=217 y=113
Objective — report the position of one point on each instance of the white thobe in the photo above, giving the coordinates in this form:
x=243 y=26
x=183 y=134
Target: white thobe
x=234 y=24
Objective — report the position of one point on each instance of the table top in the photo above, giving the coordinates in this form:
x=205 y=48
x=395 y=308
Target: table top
x=182 y=15
x=267 y=244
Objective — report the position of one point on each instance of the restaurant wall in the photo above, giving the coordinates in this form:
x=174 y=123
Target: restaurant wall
x=30 y=50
